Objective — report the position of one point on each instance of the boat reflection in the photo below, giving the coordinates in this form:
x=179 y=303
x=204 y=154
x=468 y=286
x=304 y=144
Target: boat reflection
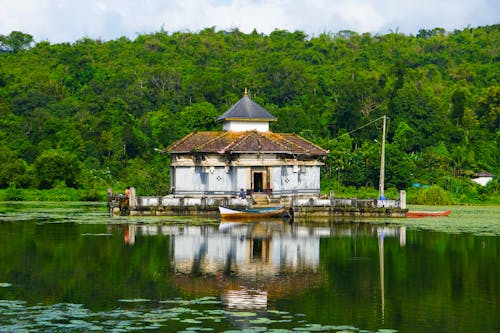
x=251 y=264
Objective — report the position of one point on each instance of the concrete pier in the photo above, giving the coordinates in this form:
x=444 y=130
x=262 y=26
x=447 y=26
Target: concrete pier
x=300 y=207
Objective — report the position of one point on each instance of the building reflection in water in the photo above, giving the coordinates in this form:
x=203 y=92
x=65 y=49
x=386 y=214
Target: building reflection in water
x=249 y=265
x=251 y=261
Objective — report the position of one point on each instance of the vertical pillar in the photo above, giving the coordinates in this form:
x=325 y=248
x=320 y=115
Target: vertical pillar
x=381 y=195
x=132 y=201
x=111 y=202
x=402 y=199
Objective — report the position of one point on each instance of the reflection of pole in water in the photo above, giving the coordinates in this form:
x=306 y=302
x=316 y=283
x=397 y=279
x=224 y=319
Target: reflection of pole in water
x=129 y=234
x=382 y=269
x=402 y=236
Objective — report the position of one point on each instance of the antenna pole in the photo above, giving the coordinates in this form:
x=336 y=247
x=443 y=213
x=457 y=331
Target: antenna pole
x=382 y=162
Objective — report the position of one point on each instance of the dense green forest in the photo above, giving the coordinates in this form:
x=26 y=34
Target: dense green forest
x=93 y=113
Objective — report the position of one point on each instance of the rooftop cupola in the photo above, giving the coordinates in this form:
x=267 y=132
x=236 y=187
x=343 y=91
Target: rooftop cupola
x=246 y=115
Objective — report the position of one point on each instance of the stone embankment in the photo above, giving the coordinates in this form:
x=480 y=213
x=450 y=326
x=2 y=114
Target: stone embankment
x=303 y=208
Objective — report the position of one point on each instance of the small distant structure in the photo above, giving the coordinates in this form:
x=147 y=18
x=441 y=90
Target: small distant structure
x=482 y=178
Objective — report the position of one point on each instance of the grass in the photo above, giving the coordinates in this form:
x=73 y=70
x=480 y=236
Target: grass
x=434 y=195
x=57 y=194
x=481 y=220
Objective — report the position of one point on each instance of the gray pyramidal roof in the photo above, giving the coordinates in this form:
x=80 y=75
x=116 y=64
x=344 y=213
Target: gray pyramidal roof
x=246 y=109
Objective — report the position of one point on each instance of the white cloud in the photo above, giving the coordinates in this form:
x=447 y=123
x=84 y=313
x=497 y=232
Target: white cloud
x=70 y=20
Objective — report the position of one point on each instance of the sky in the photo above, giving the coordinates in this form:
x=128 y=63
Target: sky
x=59 y=21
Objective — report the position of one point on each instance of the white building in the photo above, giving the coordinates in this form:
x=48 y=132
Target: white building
x=482 y=178
x=245 y=155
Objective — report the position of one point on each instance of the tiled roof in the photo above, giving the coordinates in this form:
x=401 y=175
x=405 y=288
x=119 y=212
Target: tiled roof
x=246 y=109
x=245 y=142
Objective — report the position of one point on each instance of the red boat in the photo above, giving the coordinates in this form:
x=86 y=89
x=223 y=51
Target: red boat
x=417 y=213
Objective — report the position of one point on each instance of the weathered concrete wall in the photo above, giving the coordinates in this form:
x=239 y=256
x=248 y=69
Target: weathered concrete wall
x=303 y=207
x=229 y=180
x=216 y=180
x=301 y=179
x=213 y=175
x=309 y=181
x=187 y=181
x=243 y=180
x=315 y=212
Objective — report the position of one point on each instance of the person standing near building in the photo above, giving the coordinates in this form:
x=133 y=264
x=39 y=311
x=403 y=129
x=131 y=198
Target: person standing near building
x=127 y=194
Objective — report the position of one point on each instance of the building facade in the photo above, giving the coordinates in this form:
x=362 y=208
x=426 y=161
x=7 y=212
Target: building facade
x=245 y=155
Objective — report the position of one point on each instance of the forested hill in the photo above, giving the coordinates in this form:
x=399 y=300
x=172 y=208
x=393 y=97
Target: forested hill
x=95 y=113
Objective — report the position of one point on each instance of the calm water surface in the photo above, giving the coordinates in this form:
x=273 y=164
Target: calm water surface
x=71 y=268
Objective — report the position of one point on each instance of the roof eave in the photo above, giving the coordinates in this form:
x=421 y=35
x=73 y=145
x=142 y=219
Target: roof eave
x=247 y=119
x=259 y=152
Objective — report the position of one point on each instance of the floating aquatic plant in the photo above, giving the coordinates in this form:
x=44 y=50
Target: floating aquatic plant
x=278 y=312
x=242 y=314
x=191 y=321
x=325 y=328
x=64 y=317
x=262 y=320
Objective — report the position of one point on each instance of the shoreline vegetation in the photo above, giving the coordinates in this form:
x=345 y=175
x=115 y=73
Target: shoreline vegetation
x=78 y=118
x=435 y=195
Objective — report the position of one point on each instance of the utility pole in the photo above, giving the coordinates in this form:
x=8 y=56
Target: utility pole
x=381 y=195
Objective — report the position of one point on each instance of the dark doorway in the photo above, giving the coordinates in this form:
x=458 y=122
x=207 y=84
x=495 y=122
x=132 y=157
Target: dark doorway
x=257 y=182
x=257 y=249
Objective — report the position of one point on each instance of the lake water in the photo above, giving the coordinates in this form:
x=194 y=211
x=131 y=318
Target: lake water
x=68 y=267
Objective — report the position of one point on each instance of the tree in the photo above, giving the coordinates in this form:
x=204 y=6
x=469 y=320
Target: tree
x=470 y=122
x=54 y=166
x=110 y=103
x=198 y=117
x=163 y=129
x=488 y=110
x=404 y=137
x=458 y=104
x=15 y=42
x=12 y=170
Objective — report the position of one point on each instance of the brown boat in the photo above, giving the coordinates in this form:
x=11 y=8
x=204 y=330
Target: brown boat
x=417 y=213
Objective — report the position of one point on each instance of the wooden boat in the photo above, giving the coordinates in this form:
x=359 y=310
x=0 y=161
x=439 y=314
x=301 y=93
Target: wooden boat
x=417 y=213
x=249 y=213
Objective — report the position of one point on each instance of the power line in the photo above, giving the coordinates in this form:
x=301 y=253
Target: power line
x=357 y=129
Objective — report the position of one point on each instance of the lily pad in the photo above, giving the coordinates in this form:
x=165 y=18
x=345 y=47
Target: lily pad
x=262 y=320
x=278 y=312
x=195 y=329
x=191 y=321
